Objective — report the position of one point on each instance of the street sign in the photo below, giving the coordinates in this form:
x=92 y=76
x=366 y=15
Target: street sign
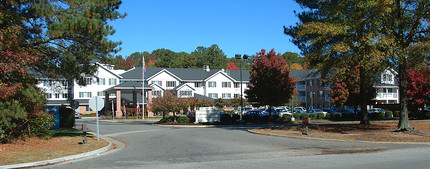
x=96 y=103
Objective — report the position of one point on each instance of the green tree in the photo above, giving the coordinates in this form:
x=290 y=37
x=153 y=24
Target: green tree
x=56 y=39
x=212 y=56
x=292 y=57
x=165 y=58
x=407 y=26
x=271 y=83
x=339 y=35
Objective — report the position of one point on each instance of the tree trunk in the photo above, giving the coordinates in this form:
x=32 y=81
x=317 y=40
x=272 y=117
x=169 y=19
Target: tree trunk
x=363 y=103
x=70 y=91
x=403 y=124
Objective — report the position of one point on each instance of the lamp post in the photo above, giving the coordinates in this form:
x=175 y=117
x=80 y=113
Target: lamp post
x=239 y=57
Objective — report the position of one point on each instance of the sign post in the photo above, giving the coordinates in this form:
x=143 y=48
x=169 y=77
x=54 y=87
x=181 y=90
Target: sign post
x=96 y=104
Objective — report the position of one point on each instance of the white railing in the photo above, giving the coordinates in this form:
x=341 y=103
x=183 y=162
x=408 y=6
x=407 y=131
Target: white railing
x=386 y=95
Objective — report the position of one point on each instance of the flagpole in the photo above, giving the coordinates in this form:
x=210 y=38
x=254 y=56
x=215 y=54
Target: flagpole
x=143 y=87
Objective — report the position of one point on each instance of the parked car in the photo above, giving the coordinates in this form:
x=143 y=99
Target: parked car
x=332 y=111
x=299 y=111
x=375 y=110
x=281 y=112
x=78 y=115
x=347 y=111
x=316 y=111
x=300 y=108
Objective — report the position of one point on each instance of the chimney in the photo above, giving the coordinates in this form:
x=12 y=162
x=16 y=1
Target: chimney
x=206 y=68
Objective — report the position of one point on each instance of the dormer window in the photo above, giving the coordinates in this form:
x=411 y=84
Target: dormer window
x=387 y=78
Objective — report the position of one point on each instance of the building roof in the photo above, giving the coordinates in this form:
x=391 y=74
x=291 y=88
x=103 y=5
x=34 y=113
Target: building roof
x=129 y=85
x=184 y=73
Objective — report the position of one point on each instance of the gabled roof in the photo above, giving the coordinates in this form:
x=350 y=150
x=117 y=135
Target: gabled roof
x=110 y=71
x=155 y=84
x=182 y=86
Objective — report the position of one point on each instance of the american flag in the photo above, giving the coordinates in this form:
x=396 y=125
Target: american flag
x=144 y=67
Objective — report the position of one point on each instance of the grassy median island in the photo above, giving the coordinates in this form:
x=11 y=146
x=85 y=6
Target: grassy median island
x=379 y=131
x=64 y=142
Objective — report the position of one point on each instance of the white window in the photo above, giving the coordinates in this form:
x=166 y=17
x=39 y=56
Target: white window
x=310 y=82
x=101 y=94
x=84 y=94
x=236 y=95
x=236 y=85
x=49 y=95
x=171 y=83
x=185 y=93
x=197 y=84
x=156 y=93
x=212 y=84
x=101 y=81
x=57 y=95
x=213 y=95
x=226 y=84
x=226 y=95
x=47 y=83
x=112 y=81
x=65 y=83
x=112 y=94
x=387 y=78
x=65 y=95
x=157 y=82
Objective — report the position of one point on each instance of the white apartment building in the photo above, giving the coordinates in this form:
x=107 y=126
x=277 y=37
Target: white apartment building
x=56 y=90
x=203 y=83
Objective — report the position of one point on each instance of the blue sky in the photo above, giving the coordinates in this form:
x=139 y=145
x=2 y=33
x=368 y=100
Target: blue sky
x=236 y=26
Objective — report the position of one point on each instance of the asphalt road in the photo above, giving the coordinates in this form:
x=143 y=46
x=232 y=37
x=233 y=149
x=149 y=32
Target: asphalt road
x=149 y=146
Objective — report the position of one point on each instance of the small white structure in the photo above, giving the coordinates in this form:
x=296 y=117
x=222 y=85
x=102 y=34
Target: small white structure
x=207 y=114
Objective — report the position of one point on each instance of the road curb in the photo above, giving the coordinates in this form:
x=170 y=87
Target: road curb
x=325 y=139
x=67 y=158
x=185 y=126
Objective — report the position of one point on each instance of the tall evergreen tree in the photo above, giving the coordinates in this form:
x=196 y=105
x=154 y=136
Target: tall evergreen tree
x=339 y=34
x=407 y=25
x=55 y=38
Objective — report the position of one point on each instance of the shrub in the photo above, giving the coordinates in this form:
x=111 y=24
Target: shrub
x=286 y=117
x=166 y=120
x=67 y=118
x=183 y=119
x=313 y=116
x=235 y=118
x=337 y=116
x=381 y=115
x=256 y=118
x=396 y=113
x=277 y=118
x=388 y=114
x=304 y=115
x=225 y=118
x=247 y=118
x=40 y=124
x=328 y=116
x=320 y=116
x=296 y=116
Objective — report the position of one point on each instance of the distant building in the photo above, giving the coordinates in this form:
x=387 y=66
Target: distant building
x=125 y=87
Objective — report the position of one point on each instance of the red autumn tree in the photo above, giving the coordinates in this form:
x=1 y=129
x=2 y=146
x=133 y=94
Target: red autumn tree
x=345 y=90
x=126 y=63
x=270 y=80
x=418 y=84
x=231 y=66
